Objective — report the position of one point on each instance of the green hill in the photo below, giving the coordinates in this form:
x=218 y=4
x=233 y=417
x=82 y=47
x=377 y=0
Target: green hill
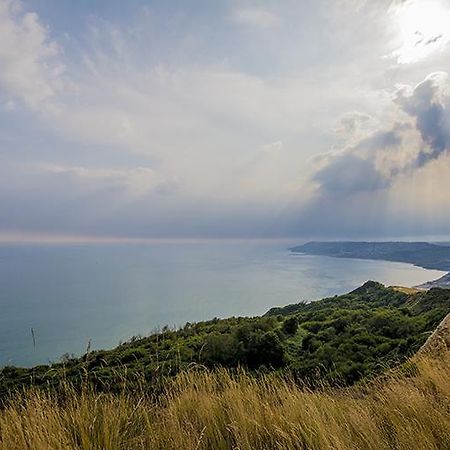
x=339 y=340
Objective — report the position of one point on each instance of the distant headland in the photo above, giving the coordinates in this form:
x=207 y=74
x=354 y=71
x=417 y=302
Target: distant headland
x=422 y=254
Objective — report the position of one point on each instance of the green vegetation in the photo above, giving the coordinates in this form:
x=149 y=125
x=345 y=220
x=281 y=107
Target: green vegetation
x=245 y=383
x=337 y=340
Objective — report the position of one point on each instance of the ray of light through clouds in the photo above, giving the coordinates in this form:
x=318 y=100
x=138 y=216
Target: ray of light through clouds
x=148 y=119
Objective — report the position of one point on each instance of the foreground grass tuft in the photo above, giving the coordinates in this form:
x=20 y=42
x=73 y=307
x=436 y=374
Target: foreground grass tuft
x=408 y=409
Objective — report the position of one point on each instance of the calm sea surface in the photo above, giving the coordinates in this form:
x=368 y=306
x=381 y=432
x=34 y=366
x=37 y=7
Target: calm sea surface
x=105 y=294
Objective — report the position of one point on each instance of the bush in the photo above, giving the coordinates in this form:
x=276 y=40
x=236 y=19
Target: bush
x=290 y=326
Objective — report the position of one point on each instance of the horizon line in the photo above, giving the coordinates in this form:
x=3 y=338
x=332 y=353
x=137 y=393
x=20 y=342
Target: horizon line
x=20 y=237
x=8 y=237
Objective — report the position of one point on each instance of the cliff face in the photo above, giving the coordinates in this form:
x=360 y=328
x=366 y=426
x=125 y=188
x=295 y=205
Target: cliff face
x=439 y=340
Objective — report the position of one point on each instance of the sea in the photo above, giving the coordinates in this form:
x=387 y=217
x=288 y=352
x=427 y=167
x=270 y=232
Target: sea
x=64 y=299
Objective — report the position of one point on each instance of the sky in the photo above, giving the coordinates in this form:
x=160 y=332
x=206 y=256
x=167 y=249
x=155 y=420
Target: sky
x=227 y=119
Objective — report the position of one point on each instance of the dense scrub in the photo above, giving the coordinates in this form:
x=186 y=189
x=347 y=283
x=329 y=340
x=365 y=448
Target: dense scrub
x=339 y=340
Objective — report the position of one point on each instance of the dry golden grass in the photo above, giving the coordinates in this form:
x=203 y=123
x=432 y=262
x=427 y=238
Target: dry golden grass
x=204 y=410
x=407 y=290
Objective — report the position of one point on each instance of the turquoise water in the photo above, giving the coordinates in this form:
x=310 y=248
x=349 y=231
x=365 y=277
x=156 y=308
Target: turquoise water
x=104 y=294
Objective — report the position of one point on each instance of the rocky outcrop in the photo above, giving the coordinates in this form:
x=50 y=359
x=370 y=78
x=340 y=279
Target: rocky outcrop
x=439 y=340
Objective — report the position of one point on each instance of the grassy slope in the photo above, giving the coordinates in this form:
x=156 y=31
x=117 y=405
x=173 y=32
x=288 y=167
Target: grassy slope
x=218 y=410
x=339 y=340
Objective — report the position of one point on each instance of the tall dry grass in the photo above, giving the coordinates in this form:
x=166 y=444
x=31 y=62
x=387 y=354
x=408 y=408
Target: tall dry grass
x=205 y=410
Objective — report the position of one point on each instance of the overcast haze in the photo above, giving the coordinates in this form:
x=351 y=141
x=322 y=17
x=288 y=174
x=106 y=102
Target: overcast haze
x=201 y=119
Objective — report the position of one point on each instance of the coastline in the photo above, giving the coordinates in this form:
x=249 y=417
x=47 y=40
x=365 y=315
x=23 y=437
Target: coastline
x=442 y=282
x=389 y=252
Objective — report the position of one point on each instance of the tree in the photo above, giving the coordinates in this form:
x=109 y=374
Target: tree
x=290 y=326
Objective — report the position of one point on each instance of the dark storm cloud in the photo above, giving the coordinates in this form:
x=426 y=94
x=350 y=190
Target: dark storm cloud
x=357 y=167
x=354 y=184
x=431 y=111
x=354 y=170
x=348 y=174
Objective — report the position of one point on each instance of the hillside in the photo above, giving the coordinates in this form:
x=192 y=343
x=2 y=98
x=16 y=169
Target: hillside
x=211 y=410
x=423 y=254
x=340 y=340
x=208 y=403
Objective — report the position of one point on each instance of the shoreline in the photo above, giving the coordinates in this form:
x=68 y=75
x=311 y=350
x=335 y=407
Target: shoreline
x=442 y=282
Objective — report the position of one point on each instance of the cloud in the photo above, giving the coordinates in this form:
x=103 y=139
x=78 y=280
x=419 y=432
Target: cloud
x=273 y=147
x=378 y=159
x=392 y=179
x=103 y=95
x=348 y=174
x=352 y=122
x=429 y=104
x=108 y=202
x=255 y=17
x=48 y=197
x=364 y=166
x=139 y=181
x=199 y=125
x=423 y=29
x=190 y=129
x=31 y=70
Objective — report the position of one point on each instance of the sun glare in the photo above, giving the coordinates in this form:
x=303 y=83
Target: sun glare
x=424 y=27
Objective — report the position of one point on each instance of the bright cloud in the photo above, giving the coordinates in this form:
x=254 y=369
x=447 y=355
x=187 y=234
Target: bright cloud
x=423 y=28
x=31 y=69
x=383 y=155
